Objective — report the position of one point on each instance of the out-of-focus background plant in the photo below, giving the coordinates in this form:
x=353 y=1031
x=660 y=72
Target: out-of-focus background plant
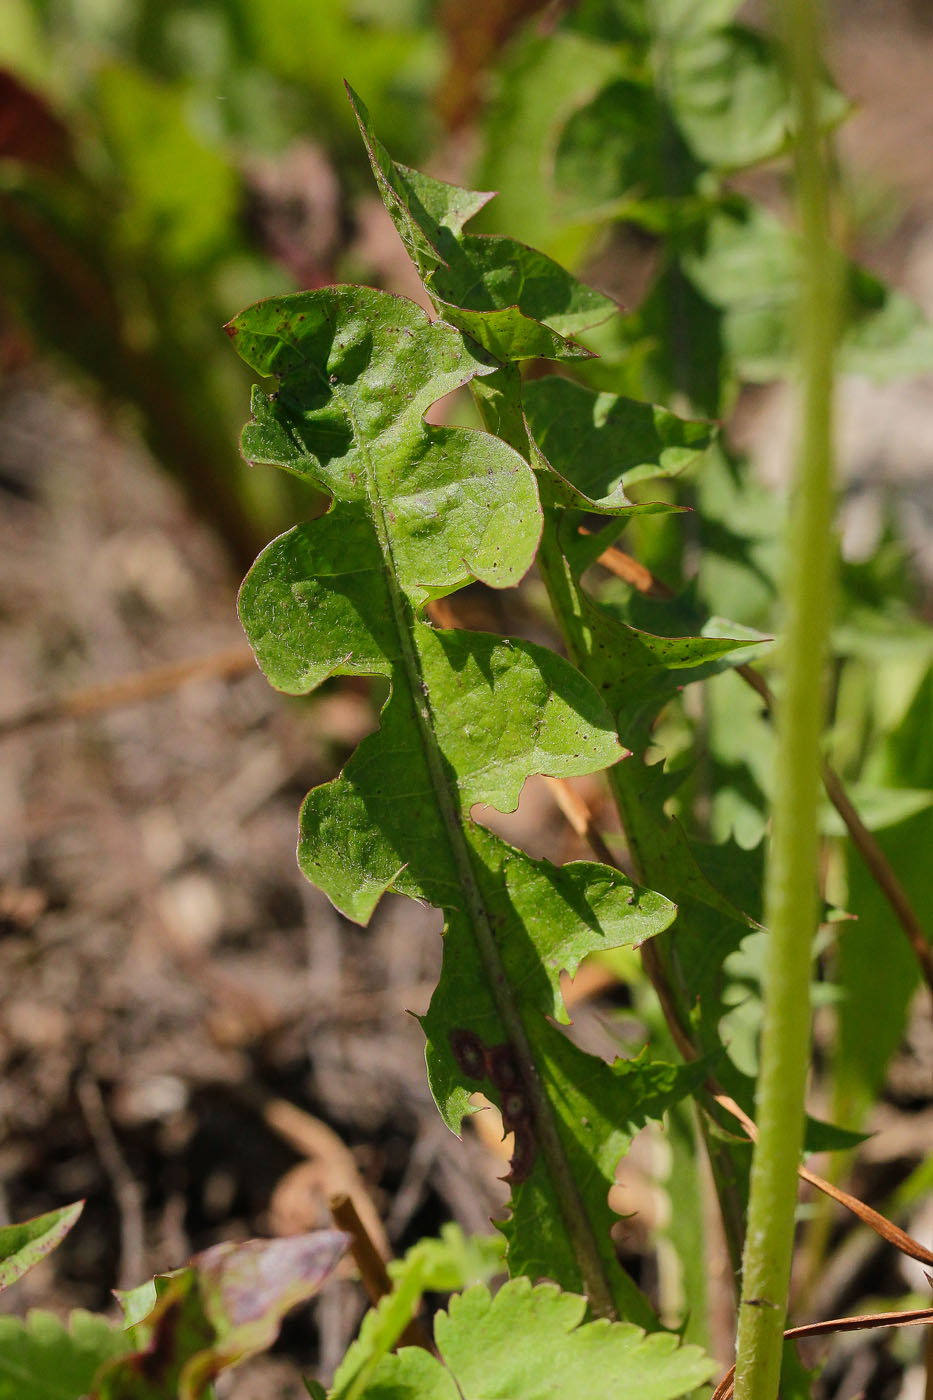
x=165 y=164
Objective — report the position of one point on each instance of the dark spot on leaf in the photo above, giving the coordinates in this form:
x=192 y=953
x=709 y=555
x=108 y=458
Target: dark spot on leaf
x=503 y=1067
x=514 y=1110
x=469 y=1052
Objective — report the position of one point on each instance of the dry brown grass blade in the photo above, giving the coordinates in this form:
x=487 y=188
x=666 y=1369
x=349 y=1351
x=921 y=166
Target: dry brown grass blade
x=877 y=1222
x=577 y=814
x=128 y=690
x=870 y=1217
x=634 y=573
x=913 y=1318
x=337 y=1172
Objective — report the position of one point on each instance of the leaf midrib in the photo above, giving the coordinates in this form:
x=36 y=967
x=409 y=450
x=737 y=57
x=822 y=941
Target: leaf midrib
x=579 y=1229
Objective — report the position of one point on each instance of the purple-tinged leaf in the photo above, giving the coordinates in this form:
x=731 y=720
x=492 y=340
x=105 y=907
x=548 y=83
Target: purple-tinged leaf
x=226 y=1305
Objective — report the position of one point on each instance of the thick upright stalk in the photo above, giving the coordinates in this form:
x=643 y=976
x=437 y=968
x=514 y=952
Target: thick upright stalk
x=791 y=889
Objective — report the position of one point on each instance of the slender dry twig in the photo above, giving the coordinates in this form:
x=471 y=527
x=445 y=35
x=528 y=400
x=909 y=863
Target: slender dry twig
x=873 y=1218
x=126 y=1188
x=372 y=1267
x=583 y=824
x=368 y=1258
x=578 y=816
x=915 y=1318
x=129 y=690
x=640 y=578
x=884 y=876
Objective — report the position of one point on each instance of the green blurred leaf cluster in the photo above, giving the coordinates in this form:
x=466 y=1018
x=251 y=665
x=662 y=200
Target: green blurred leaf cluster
x=134 y=213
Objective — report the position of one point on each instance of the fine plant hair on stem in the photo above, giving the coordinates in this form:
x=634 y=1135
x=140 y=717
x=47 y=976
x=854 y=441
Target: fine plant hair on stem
x=792 y=875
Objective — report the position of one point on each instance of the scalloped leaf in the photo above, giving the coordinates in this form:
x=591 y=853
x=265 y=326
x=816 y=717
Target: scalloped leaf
x=528 y=1343
x=226 y=1305
x=637 y=671
x=591 y=446
x=24 y=1244
x=432 y=1265
x=500 y=710
x=547 y=919
x=417 y=512
x=624 y=1095
x=584 y=446
x=591 y=442
x=358 y=368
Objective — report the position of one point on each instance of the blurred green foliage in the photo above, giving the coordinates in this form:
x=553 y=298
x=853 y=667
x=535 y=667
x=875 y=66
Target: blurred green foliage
x=134 y=217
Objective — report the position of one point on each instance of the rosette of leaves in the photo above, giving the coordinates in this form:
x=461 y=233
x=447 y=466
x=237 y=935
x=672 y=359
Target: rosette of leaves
x=417 y=512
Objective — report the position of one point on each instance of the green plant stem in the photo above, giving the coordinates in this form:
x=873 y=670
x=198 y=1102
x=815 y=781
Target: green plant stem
x=791 y=886
x=567 y=602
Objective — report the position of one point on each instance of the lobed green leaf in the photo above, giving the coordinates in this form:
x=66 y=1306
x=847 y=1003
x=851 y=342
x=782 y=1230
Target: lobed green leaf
x=515 y=302
x=437 y=1265
x=418 y=511
x=531 y=1342
x=605 y=444
x=586 y=448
